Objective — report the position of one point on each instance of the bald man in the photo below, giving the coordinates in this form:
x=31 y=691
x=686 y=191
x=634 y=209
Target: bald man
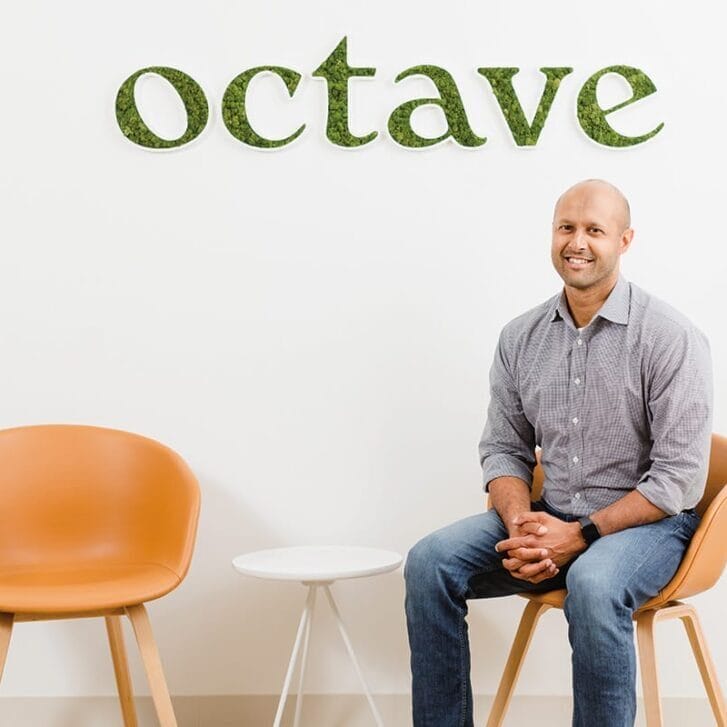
x=614 y=386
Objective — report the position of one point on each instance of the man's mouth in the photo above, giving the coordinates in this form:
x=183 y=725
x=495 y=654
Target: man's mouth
x=577 y=262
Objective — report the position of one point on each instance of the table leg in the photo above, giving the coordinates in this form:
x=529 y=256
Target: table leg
x=302 y=626
x=304 y=657
x=349 y=647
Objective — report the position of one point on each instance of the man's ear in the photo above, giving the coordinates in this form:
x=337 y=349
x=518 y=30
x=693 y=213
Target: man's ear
x=626 y=237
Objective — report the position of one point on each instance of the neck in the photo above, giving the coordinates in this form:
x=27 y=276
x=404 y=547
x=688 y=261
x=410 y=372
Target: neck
x=583 y=303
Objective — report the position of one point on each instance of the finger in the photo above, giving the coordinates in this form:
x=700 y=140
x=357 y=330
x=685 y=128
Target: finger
x=532 y=569
x=530 y=528
x=528 y=554
x=512 y=563
x=523 y=541
x=544 y=576
x=528 y=517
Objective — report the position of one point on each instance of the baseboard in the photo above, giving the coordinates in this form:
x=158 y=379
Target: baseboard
x=319 y=710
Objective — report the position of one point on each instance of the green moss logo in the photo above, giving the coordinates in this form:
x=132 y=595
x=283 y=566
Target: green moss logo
x=336 y=72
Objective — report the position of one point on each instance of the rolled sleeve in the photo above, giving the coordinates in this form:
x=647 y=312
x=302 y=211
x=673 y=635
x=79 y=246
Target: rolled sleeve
x=507 y=445
x=679 y=408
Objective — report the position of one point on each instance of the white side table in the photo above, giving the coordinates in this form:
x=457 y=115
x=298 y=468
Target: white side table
x=317 y=567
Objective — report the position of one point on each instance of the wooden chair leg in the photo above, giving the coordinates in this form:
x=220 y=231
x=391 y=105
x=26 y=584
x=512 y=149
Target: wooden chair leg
x=121 y=670
x=6 y=630
x=152 y=664
x=533 y=611
x=647 y=661
x=705 y=664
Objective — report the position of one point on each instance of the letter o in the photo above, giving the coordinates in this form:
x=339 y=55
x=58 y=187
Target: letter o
x=133 y=126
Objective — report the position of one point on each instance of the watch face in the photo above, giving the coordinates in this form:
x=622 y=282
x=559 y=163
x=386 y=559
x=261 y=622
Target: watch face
x=589 y=530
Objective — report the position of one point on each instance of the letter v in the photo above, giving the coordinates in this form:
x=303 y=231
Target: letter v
x=500 y=79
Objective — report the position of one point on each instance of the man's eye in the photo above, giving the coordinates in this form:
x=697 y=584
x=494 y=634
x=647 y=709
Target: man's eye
x=565 y=227
x=596 y=229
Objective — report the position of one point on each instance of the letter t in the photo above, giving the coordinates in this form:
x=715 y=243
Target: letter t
x=336 y=71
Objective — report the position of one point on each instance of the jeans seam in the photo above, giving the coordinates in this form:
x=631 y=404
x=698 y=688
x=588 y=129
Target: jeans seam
x=463 y=677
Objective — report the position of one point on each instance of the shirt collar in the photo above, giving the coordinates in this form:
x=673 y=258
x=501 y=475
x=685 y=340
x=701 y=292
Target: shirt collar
x=615 y=308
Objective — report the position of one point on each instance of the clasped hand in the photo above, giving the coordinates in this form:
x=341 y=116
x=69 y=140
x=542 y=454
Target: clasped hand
x=539 y=544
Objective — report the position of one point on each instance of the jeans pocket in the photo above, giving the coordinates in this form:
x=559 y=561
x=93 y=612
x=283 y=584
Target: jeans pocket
x=689 y=521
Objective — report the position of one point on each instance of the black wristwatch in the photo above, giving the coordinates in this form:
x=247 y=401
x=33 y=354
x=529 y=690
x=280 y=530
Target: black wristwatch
x=589 y=530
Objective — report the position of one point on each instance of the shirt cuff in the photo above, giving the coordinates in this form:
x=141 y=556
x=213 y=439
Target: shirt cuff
x=505 y=465
x=670 y=499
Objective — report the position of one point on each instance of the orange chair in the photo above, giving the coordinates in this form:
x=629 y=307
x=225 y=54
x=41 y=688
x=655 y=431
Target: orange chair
x=94 y=522
x=700 y=569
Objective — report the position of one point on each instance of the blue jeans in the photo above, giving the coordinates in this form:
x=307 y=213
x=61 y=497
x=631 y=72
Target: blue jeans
x=606 y=584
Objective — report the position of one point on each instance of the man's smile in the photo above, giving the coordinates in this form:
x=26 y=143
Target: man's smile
x=577 y=263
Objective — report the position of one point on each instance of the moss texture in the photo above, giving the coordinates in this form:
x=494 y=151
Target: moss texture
x=234 y=110
x=336 y=71
x=523 y=133
x=592 y=117
x=449 y=101
x=133 y=126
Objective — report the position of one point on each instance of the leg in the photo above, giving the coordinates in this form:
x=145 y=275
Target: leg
x=442 y=571
x=152 y=665
x=528 y=622
x=302 y=626
x=706 y=667
x=606 y=584
x=349 y=648
x=6 y=630
x=121 y=670
x=304 y=658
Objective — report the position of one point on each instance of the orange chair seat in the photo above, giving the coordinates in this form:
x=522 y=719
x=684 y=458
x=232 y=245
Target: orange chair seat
x=58 y=589
x=557 y=599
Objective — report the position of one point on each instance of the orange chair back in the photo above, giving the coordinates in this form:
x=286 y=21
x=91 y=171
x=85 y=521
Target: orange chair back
x=78 y=495
x=717 y=475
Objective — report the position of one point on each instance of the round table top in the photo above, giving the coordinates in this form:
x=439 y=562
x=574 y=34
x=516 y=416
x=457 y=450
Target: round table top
x=317 y=562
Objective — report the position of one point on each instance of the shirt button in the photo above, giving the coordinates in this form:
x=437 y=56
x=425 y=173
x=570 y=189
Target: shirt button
x=577 y=495
x=575 y=420
x=575 y=459
x=580 y=343
x=578 y=381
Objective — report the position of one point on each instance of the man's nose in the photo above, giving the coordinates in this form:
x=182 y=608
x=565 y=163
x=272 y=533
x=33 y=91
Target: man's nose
x=579 y=240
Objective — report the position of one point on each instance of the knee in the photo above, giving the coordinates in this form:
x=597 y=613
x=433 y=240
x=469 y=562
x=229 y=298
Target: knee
x=426 y=562
x=593 y=595
x=421 y=557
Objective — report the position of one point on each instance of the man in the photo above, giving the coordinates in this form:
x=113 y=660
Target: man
x=615 y=387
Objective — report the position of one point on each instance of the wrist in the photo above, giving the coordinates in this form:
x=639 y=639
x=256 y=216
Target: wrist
x=579 y=542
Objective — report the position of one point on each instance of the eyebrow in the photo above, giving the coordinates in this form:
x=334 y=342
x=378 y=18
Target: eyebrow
x=592 y=223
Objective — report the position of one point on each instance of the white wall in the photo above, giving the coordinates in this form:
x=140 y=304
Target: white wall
x=312 y=328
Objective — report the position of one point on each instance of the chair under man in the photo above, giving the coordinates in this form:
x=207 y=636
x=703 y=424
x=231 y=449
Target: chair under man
x=700 y=569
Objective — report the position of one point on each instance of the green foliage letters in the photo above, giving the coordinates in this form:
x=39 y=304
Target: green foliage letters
x=234 y=112
x=133 y=126
x=592 y=117
x=336 y=71
x=449 y=101
x=500 y=79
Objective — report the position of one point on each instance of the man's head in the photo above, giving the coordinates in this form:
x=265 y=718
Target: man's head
x=591 y=230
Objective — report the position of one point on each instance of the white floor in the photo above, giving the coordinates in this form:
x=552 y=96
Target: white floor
x=318 y=711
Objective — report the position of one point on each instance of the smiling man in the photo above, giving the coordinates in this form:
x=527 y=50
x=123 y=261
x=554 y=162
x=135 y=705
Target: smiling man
x=615 y=387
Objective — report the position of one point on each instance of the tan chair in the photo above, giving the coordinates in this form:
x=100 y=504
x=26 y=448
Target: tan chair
x=700 y=569
x=94 y=522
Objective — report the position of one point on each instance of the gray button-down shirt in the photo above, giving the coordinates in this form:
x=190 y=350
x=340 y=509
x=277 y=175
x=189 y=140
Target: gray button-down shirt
x=624 y=404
